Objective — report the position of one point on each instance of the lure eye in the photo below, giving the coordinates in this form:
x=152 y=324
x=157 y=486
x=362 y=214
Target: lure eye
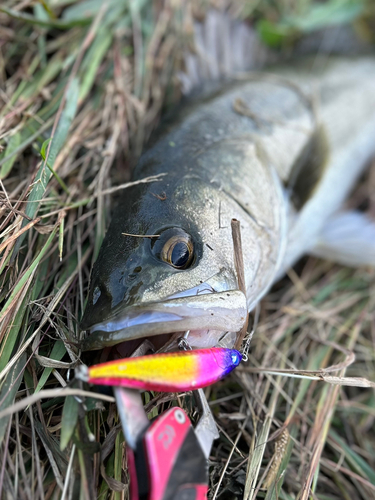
x=175 y=247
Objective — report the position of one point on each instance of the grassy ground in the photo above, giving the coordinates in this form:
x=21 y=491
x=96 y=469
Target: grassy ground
x=81 y=86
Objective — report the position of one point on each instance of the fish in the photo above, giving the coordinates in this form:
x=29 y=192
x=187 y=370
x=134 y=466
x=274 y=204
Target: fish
x=279 y=150
x=171 y=372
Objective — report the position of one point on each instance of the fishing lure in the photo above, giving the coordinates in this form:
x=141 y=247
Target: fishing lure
x=167 y=372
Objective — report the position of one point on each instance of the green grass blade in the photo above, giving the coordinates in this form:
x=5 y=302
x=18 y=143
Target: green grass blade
x=68 y=421
x=58 y=141
x=358 y=463
x=93 y=60
x=13 y=144
x=334 y=12
x=51 y=23
x=9 y=391
x=273 y=492
x=39 y=81
x=11 y=336
x=28 y=138
x=27 y=274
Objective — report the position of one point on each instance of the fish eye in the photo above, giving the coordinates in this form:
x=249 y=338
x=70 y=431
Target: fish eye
x=175 y=247
x=177 y=252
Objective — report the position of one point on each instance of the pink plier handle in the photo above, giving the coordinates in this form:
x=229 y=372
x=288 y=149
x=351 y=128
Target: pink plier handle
x=168 y=462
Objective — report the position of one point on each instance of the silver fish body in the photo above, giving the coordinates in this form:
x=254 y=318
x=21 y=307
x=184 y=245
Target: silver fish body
x=280 y=153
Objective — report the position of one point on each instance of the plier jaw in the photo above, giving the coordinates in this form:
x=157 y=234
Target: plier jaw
x=168 y=458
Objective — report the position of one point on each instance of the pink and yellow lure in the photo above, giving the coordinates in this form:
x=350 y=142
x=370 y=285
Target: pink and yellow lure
x=167 y=372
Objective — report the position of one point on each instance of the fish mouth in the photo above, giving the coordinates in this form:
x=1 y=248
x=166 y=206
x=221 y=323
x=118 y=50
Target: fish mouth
x=215 y=313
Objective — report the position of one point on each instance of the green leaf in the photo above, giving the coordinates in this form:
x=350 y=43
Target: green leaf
x=274 y=35
x=43 y=150
x=14 y=142
x=322 y=15
x=317 y=16
x=68 y=420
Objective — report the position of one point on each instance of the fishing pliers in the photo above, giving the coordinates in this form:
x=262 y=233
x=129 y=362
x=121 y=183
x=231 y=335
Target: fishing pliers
x=167 y=457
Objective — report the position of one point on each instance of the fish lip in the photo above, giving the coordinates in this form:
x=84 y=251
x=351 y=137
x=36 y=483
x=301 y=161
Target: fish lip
x=216 y=311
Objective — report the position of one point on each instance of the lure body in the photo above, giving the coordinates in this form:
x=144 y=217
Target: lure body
x=169 y=372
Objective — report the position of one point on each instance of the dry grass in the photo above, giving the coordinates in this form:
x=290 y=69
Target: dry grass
x=94 y=78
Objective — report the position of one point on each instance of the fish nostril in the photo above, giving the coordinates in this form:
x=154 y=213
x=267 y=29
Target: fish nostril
x=96 y=294
x=132 y=275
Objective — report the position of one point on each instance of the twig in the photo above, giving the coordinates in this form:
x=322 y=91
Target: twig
x=52 y=393
x=240 y=271
x=18 y=233
x=66 y=482
x=142 y=235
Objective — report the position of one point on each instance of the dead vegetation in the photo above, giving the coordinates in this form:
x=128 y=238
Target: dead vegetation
x=81 y=86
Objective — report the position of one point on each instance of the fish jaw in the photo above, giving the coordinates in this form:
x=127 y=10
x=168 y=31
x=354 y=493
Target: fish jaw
x=219 y=312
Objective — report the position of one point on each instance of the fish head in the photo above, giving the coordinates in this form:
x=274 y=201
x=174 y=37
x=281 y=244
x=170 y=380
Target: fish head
x=165 y=266
x=167 y=262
